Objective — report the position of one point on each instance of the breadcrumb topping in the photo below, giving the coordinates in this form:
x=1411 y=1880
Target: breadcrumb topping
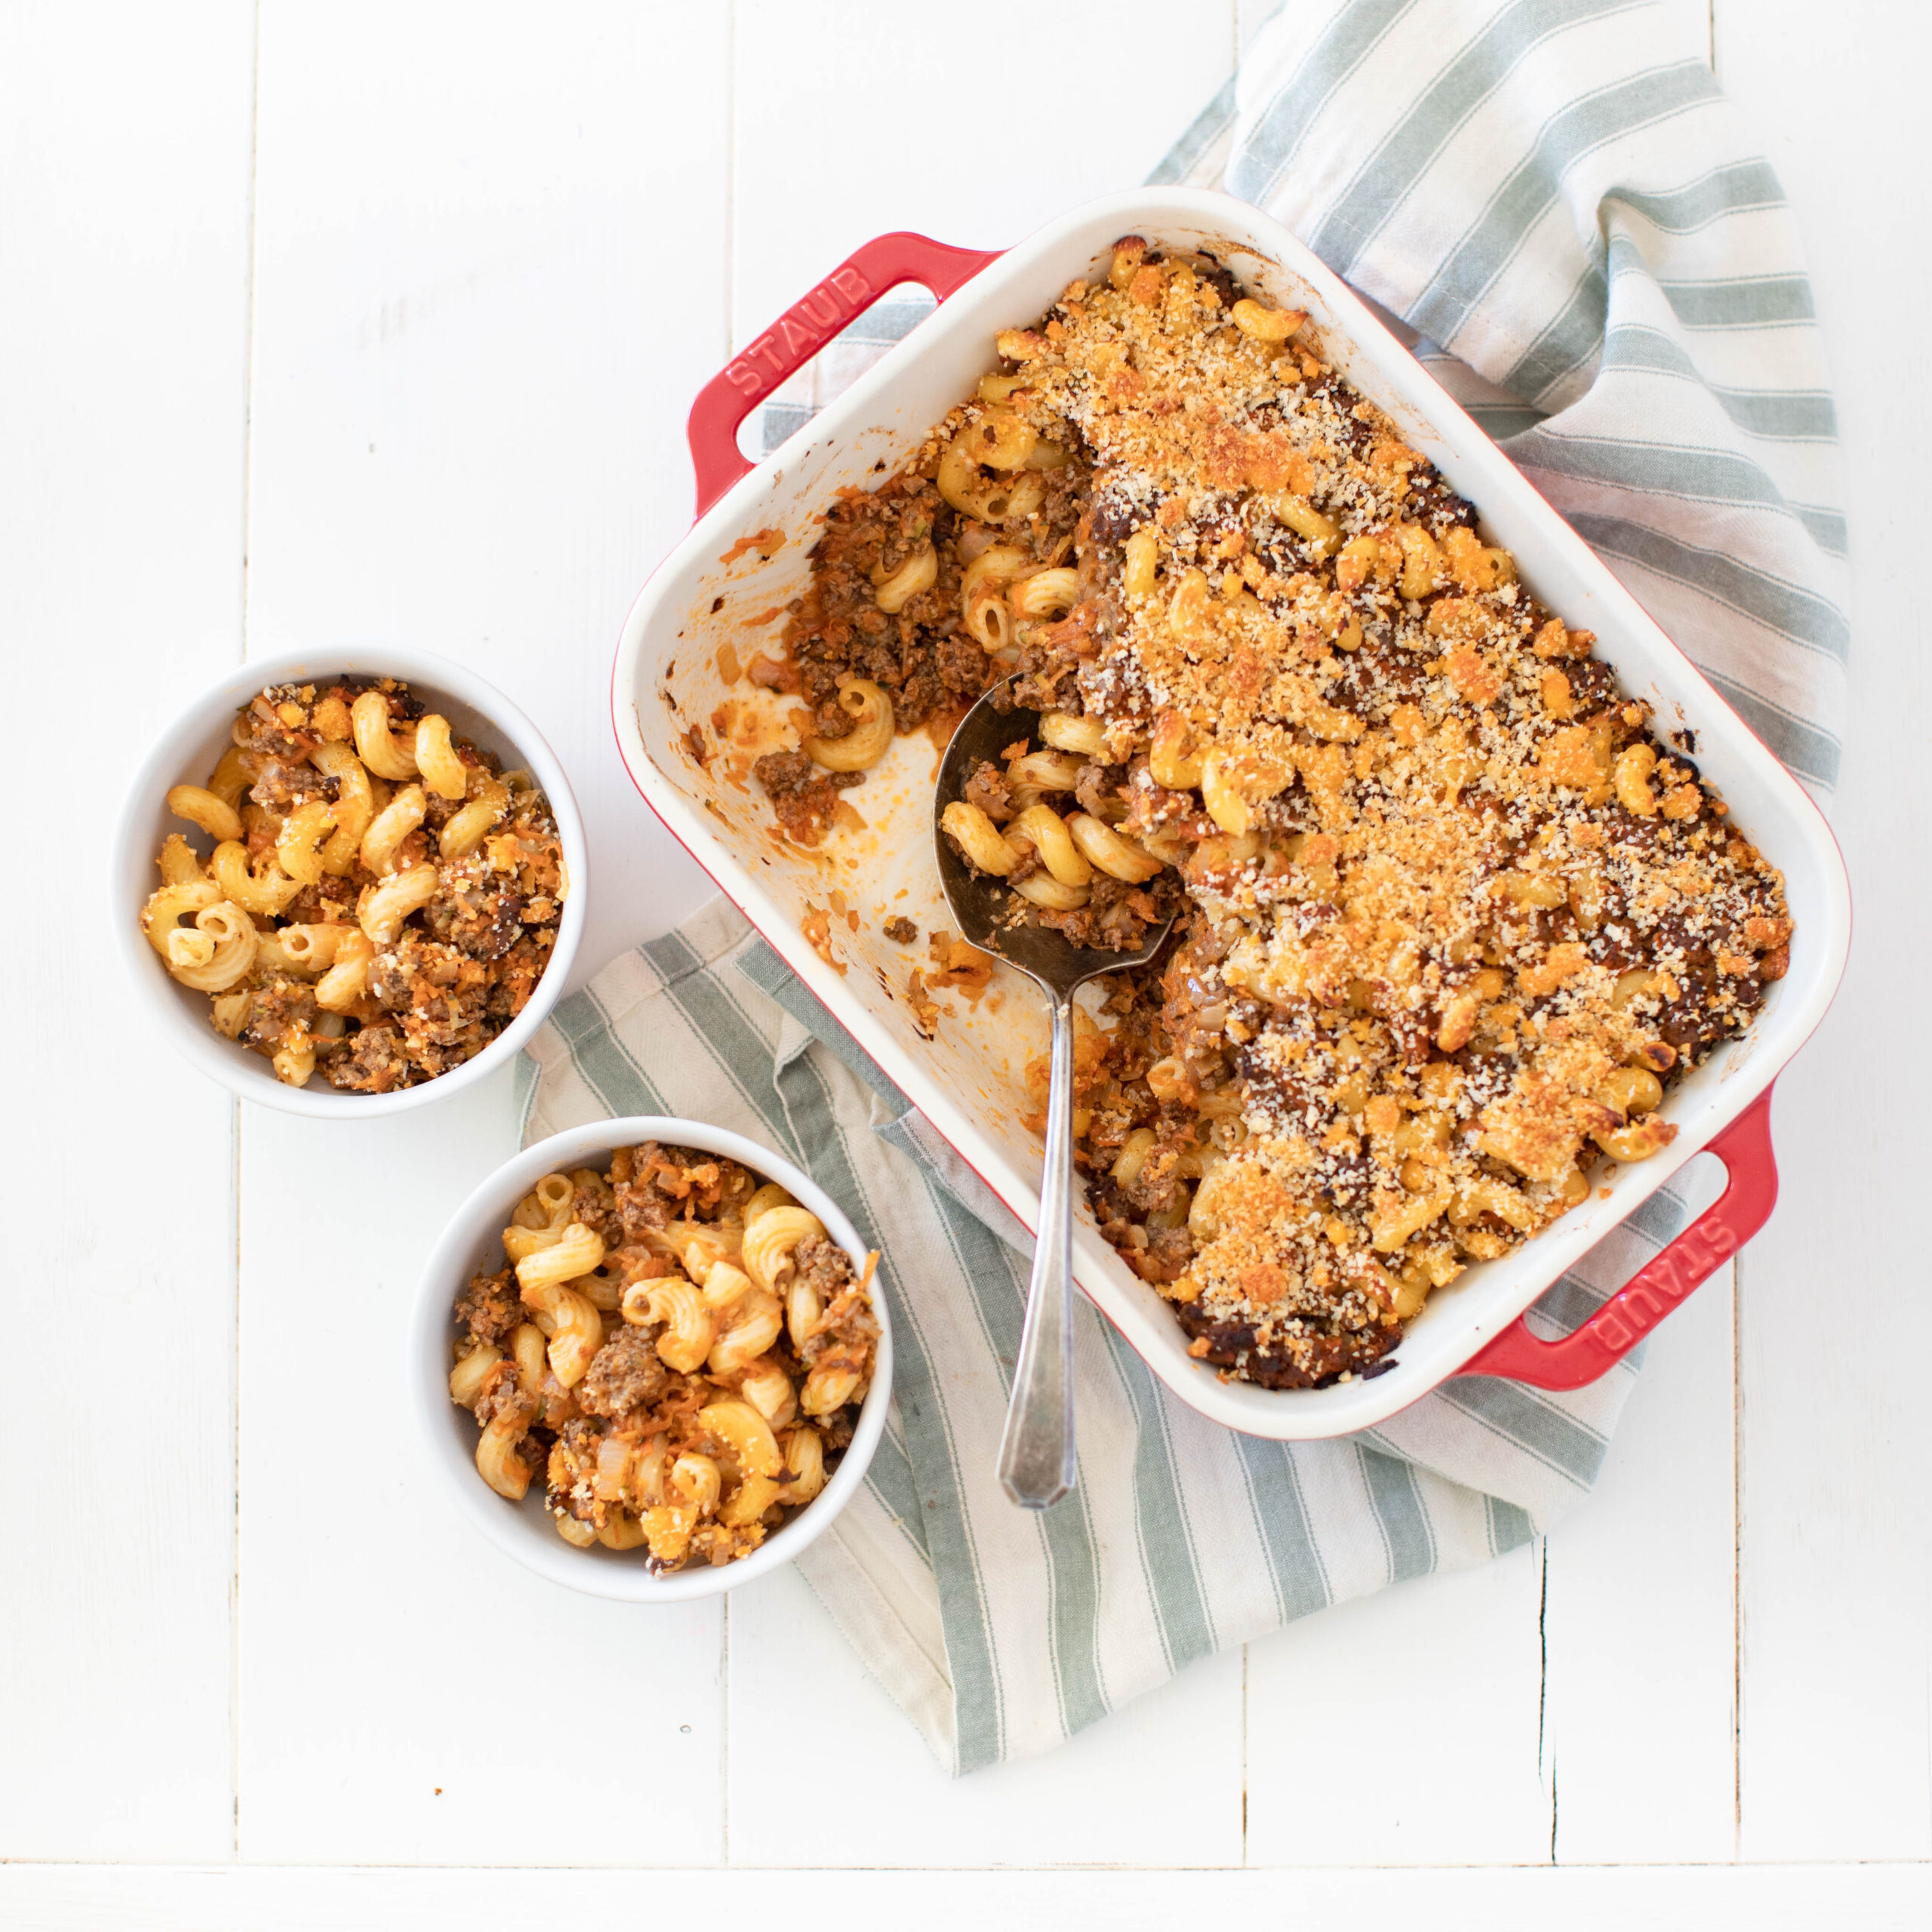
x=1457 y=914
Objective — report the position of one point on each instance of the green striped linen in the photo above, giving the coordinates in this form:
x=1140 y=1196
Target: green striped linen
x=1555 y=201
x=1001 y=1631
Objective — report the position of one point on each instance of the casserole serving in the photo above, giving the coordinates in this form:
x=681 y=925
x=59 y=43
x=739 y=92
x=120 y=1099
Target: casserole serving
x=201 y=739
x=715 y=605
x=517 y=1522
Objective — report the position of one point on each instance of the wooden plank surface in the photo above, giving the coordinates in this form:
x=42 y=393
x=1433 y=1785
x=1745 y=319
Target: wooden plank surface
x=1639 y=1623
x=1159 y=1784
x=490 y=271
x=1836 y=1542
x=123 y=321
x=1403 y=1730
x=1874 y=1898
x=856 y=118
x=493 y=256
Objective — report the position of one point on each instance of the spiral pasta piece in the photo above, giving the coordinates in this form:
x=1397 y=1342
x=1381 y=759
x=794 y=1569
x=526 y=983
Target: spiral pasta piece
x=871 y=736
x=1042 y=827
x=770 y=1240
x=389 y=754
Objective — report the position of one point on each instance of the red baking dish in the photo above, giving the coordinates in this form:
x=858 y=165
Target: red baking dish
x=717 y=600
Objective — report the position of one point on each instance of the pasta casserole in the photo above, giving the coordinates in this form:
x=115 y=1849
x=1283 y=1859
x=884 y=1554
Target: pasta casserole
x=379 y=901
x=678 y=1349
x=1457 y=909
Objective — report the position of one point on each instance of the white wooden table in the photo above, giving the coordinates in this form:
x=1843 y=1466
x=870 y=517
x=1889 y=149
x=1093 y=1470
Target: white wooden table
x=381 y=320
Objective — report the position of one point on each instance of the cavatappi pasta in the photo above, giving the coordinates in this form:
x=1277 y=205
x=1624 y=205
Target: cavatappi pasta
x=372 y=899
x=1037 y=819
x=1459 y=910
x=676 y=1349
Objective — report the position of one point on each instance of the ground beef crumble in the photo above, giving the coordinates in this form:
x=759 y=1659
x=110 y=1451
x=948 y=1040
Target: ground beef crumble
x=489 y=1308
x=626 y=1377
x=803 y=796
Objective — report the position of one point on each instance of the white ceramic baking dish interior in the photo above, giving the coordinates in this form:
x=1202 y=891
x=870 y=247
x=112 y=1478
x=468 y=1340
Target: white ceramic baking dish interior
x=717 y=600
x=472 y=1244
x=186 y=752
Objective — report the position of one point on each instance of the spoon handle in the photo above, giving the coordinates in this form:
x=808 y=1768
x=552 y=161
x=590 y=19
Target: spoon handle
x=1036 y=1459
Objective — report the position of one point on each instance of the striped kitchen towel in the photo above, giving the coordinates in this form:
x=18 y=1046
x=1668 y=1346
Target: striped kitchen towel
x=1555 y=199
x=1001 y=1631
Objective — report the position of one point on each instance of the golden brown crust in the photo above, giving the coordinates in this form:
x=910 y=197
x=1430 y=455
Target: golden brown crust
x=1456 y=915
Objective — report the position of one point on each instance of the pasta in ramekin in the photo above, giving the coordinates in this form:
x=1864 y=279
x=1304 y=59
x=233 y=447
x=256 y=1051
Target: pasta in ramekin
x=677 y=1349
x=376 y=902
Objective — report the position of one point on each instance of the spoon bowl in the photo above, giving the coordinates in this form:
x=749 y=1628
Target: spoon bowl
x=1037 y=1464
x=982 y=902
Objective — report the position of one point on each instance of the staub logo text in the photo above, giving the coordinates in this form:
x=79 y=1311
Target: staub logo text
x=803 y=329
x=1653 y=1292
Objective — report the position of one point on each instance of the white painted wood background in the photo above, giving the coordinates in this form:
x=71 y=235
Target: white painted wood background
x=381 y=320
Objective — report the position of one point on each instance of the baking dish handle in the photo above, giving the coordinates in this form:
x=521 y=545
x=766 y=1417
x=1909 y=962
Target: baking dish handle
x=846 y=292
x=1751 y=1191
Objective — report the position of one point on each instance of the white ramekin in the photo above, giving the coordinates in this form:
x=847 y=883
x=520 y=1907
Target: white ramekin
x=185 y=753
x=472 y=1243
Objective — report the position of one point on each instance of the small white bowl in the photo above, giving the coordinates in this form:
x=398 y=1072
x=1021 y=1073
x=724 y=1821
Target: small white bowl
x=471 y=1244
x=186 y=752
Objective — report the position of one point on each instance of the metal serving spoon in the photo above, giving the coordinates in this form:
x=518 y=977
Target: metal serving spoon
x=1036 y=1456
